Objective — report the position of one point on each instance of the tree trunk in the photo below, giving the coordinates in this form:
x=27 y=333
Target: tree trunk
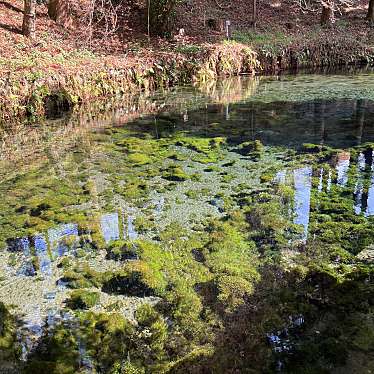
x=327 y=16
x=254 y=13
x=370 y=15
x=29 y=18
x=58 y=10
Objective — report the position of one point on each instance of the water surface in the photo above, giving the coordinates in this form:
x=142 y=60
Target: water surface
x=259 y=195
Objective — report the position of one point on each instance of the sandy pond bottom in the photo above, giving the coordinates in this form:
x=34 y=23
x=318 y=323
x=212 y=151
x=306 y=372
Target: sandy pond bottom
x=231 y=230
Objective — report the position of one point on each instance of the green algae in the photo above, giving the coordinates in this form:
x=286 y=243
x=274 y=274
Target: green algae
x=201 y=145
x=83 y=276
x=194 y=293
x=9 y=349
x=62 y=355
x=121 y=346
x=139 y=159
x=121 y=250
x=134 y=188
x=81 y=299
x=44 y=200
x=251 y=148
x=175 y=173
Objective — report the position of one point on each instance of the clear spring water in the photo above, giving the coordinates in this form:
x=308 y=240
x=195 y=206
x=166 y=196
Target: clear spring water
x=131 y=168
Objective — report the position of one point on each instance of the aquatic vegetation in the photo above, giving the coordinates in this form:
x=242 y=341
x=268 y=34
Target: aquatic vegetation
x=196 y=235
x=9 y=349
x=231 y=258
x=139 y=158
x=192 y=194
x=122 y=250
x=111 y=344
x=253 y=148
x=175 y=173
x=201 y=145
x=134 y=188
x=62 y=355
x=81 y=299
x=208 y=149
x=133 y=283
x=82 y=276
x=339 y=327
x=267 y=224
x=178 y=157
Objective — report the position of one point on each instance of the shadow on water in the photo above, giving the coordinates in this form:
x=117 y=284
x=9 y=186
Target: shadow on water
x=308 y=325
x=339 y=124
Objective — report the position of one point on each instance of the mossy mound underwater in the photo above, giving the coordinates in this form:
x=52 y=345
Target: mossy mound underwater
x=231 y=276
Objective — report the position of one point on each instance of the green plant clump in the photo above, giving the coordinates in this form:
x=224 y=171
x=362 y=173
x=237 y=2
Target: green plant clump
x=82 y=299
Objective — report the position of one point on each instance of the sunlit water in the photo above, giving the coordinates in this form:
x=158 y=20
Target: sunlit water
x=72 y=167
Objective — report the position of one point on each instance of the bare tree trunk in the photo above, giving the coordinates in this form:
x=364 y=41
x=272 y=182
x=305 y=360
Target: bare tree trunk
x=254 y=13
x=370 y=14
x=327 y=16
x=29 y=18
x=149 y=19
x=58 y=10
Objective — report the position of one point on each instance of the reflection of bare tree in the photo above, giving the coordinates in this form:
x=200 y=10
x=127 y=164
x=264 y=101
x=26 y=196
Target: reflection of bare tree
x=361 y=106
x=368 y=154
x=364 y=185
x=368 y=157
x=319 y=112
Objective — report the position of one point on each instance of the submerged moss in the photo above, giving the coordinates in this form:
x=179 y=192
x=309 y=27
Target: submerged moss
x=9 y=349
x=82 y=299
x=57 y=352
x=82 y=276
x=139 y=158
x=175 y=173
x=251 y=148
x=201 y=145
x=232 y=258
x=122 y=250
